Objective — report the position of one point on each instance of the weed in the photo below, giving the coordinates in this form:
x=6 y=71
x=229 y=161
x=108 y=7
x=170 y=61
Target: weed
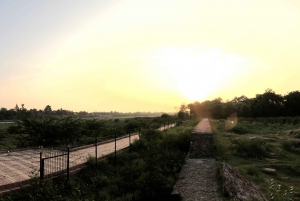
x=277 y=194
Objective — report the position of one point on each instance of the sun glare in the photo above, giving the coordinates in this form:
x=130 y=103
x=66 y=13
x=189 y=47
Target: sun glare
x=197 y=73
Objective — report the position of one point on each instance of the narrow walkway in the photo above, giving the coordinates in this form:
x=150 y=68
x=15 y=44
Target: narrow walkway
x=197 y=179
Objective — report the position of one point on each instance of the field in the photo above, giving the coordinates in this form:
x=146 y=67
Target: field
x=253 y=146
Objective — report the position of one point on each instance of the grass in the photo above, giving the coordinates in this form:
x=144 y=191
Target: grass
x=252 y=146
x=7 y=141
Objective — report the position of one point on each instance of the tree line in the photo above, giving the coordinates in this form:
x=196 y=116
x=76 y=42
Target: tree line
x=76 y=131
x=21 y=112
x=268 y=104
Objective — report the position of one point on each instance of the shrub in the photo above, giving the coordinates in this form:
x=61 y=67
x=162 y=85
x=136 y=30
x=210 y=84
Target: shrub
x=253 y=148
x=240 y=129
x=252 y=170
x=290 y=146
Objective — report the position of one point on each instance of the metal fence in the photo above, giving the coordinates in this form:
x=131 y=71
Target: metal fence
x=54 y=163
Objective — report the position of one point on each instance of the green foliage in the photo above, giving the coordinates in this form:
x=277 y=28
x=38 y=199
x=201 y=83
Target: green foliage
x=276 y=192
x=57 y=189
x=148 y=169
x=73 y=131
x=295 y=133
x=51 y=131
x=3 y=133
x=14 y=128
x=267 y=104
x=270 y=143
x=252 y=170
x=91 y=160
x=291 y=146
x=239 y=129
x=253 y=148
x=182 y=115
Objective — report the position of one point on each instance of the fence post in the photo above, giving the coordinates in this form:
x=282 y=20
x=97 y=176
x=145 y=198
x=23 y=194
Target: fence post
x=96 y=151
x=129 y=138
x=115 y=144
x=139 y=132
x=68 y=163
x=41 y=166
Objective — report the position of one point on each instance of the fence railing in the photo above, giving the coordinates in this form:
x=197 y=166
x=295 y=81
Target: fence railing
x=57 y=162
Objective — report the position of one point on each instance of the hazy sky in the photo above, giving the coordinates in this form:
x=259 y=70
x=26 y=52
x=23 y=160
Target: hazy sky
x=145 y=55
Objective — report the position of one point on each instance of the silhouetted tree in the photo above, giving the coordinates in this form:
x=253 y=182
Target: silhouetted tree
x=48 y=109
x=292 y=103
x=268 y=104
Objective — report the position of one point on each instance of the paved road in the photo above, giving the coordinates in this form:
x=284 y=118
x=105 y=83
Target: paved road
x=20 y=166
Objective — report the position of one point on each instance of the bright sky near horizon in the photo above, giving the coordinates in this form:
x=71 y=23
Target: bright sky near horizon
x=149 y=55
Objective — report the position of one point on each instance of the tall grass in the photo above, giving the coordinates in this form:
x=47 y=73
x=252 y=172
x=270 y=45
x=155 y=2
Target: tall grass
x=253 y=148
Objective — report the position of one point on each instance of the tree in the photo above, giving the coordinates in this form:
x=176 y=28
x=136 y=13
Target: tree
x=228 y=109
x=183 y=108
x=48 y=109
x=17 y=109
x=182 y=115
x=292 y=103
x=244 y=110
x=215 y=108
x=165 y=116
x=268 y=104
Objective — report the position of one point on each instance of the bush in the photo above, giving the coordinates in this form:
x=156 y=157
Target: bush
x=240 y=129
x=290 y=146
x=252 y=148
x=14 y=129
x=252 y=170
x=148 y=169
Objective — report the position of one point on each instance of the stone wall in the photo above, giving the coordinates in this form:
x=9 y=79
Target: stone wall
x=202 y=145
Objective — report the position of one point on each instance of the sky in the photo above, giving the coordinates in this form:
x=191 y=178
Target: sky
x=145 y=55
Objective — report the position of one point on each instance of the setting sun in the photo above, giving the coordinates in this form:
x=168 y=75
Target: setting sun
x=196 y=72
